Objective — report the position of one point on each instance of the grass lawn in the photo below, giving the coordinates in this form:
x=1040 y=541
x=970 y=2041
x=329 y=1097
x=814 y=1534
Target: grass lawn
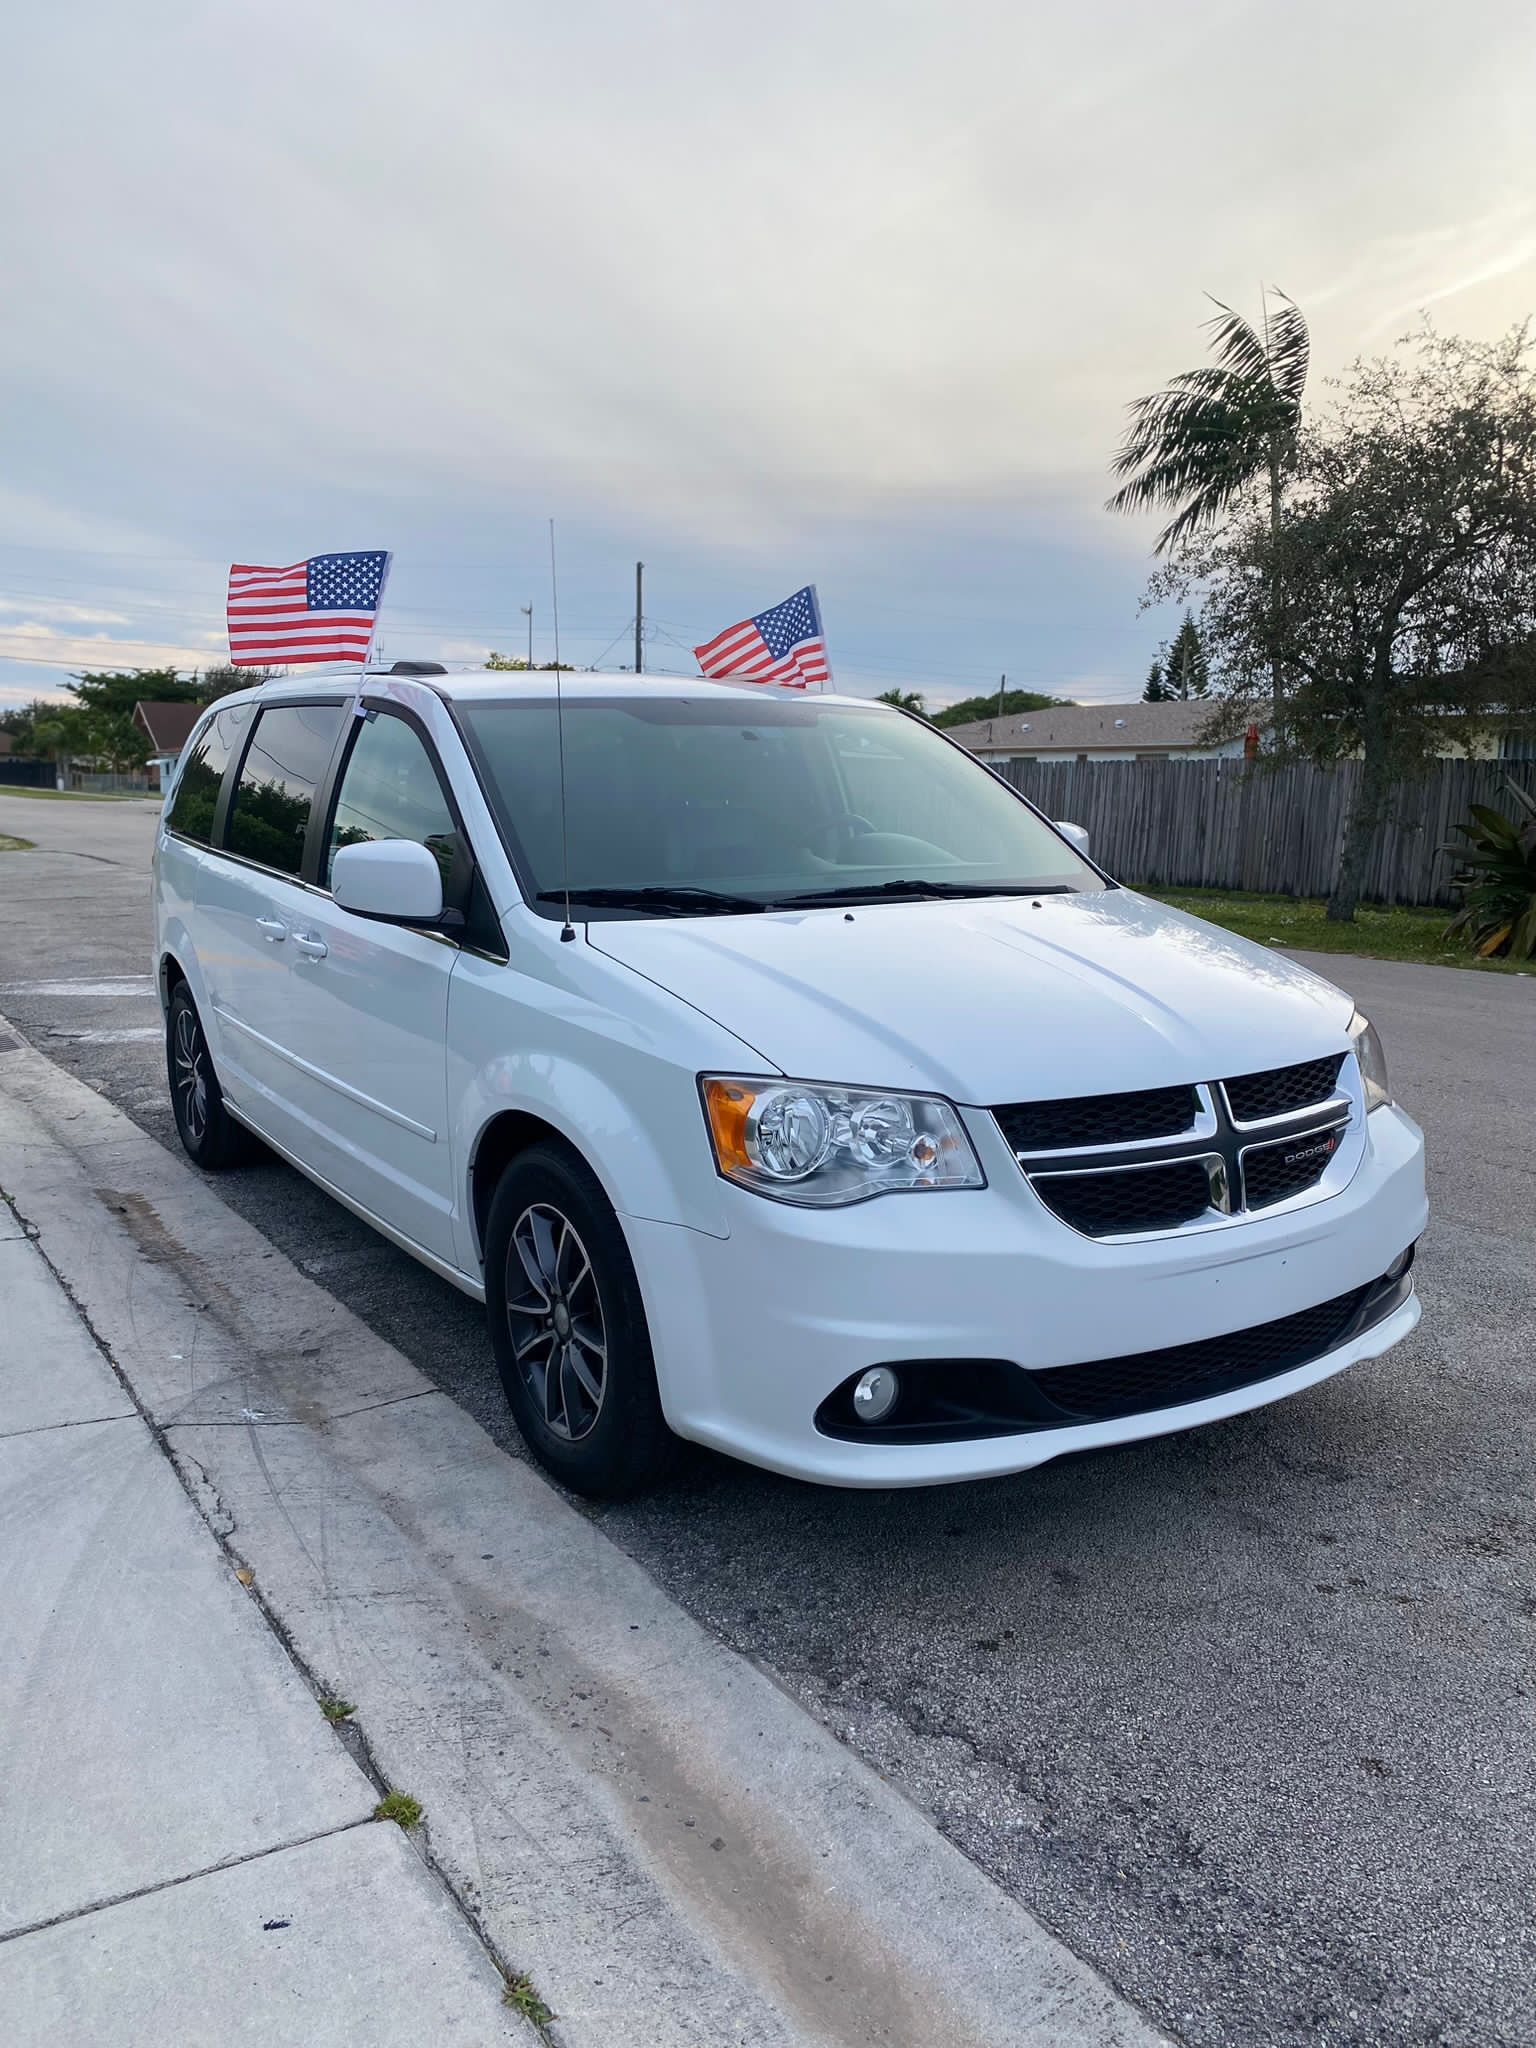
x=1378 y=932
x=9 y=843
x=83 y=796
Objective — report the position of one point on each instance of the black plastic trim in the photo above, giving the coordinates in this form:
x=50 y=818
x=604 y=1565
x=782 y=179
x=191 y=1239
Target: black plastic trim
x=960 y=1400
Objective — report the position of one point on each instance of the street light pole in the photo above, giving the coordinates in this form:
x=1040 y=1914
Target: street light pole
x=639 y=618
x=527 y=612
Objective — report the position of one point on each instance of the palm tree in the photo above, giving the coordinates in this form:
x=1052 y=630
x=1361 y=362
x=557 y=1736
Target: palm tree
x=1200 y=442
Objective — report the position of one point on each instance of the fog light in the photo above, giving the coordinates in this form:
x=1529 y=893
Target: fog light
x=874 y=1394
x=1401 y=1263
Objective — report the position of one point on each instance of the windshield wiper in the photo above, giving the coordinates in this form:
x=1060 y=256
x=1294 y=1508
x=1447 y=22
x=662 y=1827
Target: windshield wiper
x=862 y=891
x=661 y=897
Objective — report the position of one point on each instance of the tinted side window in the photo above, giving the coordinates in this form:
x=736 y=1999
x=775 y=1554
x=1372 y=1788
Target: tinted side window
x=390 y=791
x=197 y=787
x=269 y=811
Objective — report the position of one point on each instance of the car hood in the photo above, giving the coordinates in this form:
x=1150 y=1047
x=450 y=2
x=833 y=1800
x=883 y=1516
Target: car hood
x=999 y=1000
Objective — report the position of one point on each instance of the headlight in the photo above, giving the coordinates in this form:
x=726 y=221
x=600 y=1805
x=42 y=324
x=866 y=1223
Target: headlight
x=820 y=1147
x=1373 y=1061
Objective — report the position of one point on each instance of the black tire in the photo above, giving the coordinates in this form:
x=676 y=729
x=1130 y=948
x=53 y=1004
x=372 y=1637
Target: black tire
x=209 y=1134
x=569 y=1332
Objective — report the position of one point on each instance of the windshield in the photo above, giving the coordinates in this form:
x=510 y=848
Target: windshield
x=694 y=799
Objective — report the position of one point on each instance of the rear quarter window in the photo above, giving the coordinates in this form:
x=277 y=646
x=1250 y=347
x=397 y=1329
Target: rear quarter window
x=284 y=765
x=196 y=795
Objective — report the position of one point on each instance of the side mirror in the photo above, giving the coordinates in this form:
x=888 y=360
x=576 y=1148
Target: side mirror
x=1075 y=833
x=389 y=878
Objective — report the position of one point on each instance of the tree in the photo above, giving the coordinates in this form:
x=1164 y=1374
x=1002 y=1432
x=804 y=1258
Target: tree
x=518 y=662
x=1198 y=445
x=969 y=709
x=1157 y=691
x=112 y=693
x=1187 y=673
x=223 y=679
x=1405 y=559
x=904 y=700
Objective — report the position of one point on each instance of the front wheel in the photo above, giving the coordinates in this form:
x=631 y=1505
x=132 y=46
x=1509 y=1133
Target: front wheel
x=209 y=1134
x=569 y=1332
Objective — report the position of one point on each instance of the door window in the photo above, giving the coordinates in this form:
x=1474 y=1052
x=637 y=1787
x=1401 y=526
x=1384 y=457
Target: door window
x=390 y=791
x=283 y=766
x=196 y=794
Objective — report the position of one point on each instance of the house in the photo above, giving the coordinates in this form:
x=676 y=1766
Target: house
x=1096 y=732
x=167 y=728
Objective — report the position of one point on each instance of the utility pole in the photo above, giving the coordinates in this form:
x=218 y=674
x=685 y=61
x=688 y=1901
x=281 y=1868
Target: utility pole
x=639 y=618
x=527 y=612
x=1002 y=685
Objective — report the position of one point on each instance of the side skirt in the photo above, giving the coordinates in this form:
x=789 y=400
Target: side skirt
x=475 y=1289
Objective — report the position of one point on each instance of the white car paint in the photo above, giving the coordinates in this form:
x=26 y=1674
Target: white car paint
x=375 y=1057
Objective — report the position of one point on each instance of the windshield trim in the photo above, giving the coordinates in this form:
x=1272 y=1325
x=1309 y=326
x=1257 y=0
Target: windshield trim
x=551 y=909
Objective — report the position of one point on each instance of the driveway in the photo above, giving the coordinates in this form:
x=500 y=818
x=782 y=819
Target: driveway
x=1244 y=1715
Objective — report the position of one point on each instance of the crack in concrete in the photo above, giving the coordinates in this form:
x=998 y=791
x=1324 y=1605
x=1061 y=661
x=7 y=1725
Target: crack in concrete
x=169 y=1884
x=76 y=1422
x=348 y=1733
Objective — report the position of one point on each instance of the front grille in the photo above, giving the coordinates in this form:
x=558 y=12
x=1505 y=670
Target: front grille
x=1155 y=1159
x=1271 y=1173
x=1098 y=1119
x=1194 y=1372
x=1133 y=1199
x=1281 y=1090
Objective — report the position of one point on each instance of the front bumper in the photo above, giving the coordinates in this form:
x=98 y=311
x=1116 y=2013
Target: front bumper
x=754 y=1331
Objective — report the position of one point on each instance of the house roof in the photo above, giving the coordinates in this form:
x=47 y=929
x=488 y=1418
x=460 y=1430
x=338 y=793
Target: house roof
x=1083 y=728
x=168 y=725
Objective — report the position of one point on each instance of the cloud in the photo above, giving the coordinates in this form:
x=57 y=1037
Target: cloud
x=31 y=641
x=757 y=303
x=58 y=611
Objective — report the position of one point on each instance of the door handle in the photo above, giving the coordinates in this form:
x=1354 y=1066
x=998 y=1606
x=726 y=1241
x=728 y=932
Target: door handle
x=311 y=945
x=273 y=927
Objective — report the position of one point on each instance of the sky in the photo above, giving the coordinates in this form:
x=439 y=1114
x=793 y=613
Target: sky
x=851 y=293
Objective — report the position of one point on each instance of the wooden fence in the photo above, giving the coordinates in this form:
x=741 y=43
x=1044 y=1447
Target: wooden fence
x=1223 y=825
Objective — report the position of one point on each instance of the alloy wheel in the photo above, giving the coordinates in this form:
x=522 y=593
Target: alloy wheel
x=190 y=1056
x=555 y=1316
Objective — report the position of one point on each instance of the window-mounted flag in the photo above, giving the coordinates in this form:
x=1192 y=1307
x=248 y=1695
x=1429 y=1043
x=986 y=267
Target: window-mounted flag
x=785 y=645
x=324 y=609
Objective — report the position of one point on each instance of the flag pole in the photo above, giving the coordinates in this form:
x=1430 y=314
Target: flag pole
x=378 y=606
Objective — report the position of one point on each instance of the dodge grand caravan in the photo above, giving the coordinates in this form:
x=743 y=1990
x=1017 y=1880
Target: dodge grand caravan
x=775 y=1074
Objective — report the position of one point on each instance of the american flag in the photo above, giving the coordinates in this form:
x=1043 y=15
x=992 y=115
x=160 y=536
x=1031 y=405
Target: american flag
x=785 y=645
x=320 y=610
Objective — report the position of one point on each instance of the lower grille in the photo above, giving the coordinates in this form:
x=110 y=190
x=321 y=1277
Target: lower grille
x=951 y=1400
x=1134 y=1198
x=1194 y=1372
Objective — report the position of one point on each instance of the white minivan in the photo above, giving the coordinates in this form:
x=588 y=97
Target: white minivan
x=775 y=1074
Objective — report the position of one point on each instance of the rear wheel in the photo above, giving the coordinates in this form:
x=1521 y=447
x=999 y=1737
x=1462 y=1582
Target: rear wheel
x=569 y=1332
x=209 y=1134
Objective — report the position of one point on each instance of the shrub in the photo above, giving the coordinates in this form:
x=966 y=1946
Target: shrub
x=1497 y=880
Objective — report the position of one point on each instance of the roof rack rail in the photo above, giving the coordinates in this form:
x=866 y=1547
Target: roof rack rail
x=417 y=668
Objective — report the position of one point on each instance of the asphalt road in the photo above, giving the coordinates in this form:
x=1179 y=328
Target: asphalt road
x=1246 y=1715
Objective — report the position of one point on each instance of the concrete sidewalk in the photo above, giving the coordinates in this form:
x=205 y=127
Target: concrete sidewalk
x=187 y=1850
x=675 y=1852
